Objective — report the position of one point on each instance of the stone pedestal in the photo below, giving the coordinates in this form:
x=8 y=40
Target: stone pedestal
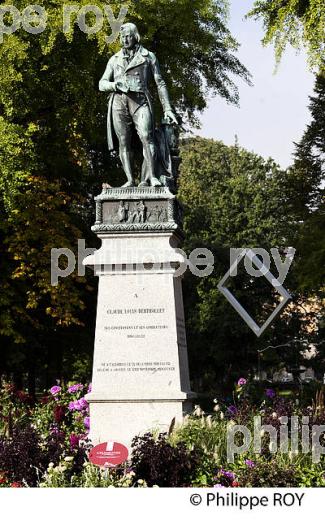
x=140 y=370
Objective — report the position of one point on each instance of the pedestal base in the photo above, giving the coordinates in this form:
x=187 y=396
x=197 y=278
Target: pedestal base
x=121 y=421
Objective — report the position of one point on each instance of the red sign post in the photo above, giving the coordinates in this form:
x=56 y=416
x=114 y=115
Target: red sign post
x=108 y=454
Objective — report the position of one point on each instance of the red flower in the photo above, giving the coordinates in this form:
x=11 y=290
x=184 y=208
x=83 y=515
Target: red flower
x=59 y=413
x=74 y=440
x=235 y=484
x=16 y=485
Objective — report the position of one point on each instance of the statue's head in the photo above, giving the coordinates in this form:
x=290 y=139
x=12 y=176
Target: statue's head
x=129 y=35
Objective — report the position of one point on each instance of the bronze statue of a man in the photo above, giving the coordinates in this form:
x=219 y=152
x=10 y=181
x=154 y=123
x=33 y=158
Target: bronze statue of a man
x=127 y=77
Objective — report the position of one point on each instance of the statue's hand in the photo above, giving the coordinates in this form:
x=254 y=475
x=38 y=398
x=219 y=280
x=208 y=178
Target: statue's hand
x=110 y=87
x=170 y=117
x=121 y=86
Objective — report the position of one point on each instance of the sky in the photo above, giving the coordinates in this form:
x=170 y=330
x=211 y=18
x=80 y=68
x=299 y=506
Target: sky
x=273 y=113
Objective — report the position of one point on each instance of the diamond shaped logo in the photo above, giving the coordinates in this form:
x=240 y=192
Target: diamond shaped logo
x=270 y=278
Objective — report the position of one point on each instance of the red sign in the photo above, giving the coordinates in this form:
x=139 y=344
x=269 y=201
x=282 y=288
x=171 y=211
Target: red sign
x=108 y=454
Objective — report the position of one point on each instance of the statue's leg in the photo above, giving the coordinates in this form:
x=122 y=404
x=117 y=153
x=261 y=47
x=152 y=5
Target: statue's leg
x=122 y=123
x=144 y=126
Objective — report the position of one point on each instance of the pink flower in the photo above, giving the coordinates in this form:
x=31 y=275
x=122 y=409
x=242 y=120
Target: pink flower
x=87 y=422
x=55 y=390
x=75 y=388
x=242 y=381
x=90 y=386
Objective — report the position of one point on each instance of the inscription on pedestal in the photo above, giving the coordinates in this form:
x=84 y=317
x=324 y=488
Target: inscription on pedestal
x=141 y=331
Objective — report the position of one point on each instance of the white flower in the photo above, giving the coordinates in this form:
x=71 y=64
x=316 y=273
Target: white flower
x=198 y=411
x=208 y=421
x=140 y=481
x=51 y=465
x=68 y=459
x=222 y=415
x=216 y=408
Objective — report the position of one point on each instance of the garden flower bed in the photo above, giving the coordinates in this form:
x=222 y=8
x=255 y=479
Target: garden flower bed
x=44 y=443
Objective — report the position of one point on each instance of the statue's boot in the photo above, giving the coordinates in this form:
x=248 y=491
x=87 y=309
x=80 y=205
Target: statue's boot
x=128 y=184
x=155 y=182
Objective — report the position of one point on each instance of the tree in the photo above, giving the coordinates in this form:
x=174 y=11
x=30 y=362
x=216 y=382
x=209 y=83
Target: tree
x=297 y=22
x=53 y=155
x=306 y=180
x=235 y=199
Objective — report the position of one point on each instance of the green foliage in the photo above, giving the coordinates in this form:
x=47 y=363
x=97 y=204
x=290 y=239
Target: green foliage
x=274 y=473
x=234 y=199
x=297 y=22
x=312 y=476
x=209 y=435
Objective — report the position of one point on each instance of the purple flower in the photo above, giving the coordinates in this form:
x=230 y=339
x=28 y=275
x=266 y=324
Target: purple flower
x=270 y=393
x=90 y=386
x=78 y=405
x=218 y=485
x=83 y=403
x=250 y=463
x=87 y=422
x=55 y=390
x=228 y=474
x=242 y=381
x=75 y=388
x=75 y=405
x=232 y=409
